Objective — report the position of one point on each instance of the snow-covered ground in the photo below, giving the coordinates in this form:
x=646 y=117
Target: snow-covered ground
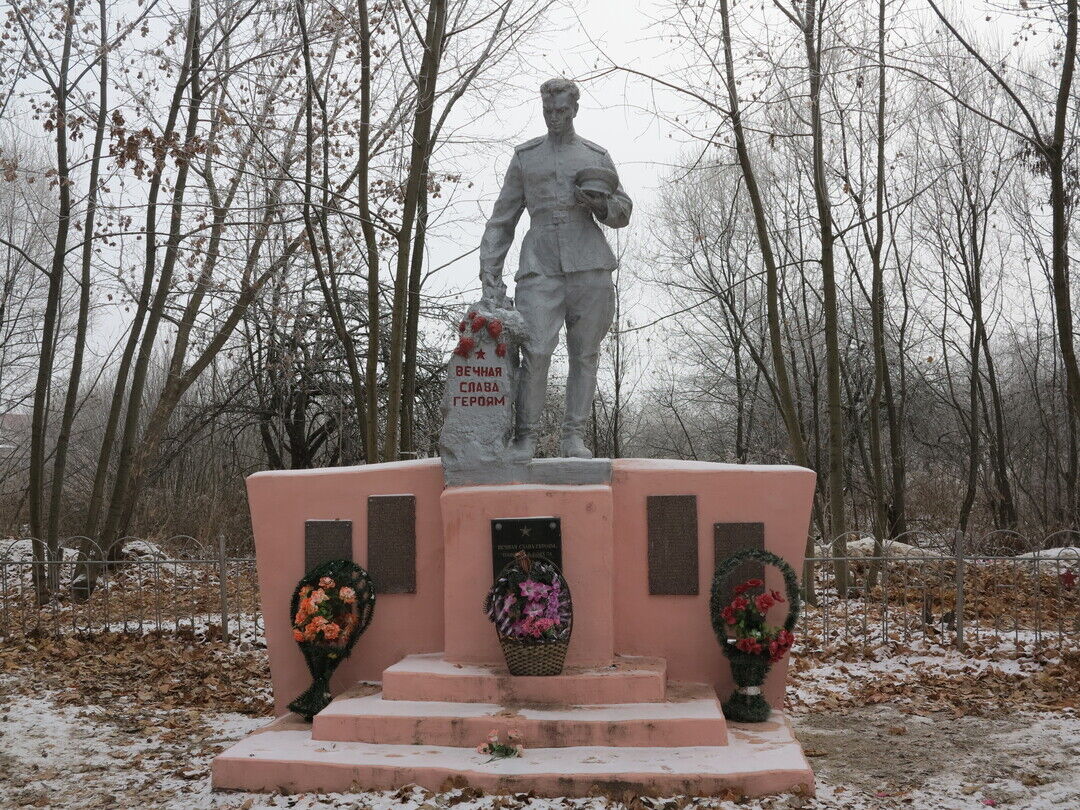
x=73 y=757
x=926 y=727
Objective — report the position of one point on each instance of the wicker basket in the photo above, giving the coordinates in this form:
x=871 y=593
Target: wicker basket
x=532 y=658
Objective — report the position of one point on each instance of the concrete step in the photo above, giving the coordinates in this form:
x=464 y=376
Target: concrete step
x=690 y=716
x=760 y=759
x=430 y=677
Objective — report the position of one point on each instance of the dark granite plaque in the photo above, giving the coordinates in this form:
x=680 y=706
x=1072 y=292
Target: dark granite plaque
x=731 y=537
x=673 y=544
x=391 y=522
x=537 y=535
x=326 y=540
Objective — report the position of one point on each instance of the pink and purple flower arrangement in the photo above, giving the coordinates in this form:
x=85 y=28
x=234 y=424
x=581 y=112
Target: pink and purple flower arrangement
x=530 y=602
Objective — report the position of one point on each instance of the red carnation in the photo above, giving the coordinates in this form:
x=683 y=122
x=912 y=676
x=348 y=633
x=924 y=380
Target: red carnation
x=464 y=346
x=495 y=328
x=461 y=326
x=728 y=614
x=739 y=603
x=749 y=645
x=763 y=602
x=750 y=584
x=478 y=323
x=777 y=596
x=500 y=349
x=472 y=315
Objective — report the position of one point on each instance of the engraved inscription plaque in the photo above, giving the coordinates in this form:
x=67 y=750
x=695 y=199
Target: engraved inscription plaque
x=673 y=544
x=537 y=535
x=326 y=540
x=731 y=537
x=391 y=541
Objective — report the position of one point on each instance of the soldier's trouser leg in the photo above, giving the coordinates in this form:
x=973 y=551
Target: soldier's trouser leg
x=541 y=300
x=590 y=306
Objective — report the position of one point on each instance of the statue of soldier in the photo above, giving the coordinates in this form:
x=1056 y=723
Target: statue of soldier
x=568 y=184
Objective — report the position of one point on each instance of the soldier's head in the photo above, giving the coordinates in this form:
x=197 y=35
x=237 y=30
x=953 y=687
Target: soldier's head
x=560 y=97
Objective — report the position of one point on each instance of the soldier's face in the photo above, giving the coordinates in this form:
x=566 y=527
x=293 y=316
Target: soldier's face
x=559 y=112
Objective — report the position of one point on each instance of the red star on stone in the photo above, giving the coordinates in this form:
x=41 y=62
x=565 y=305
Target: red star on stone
x=480 y=354
x=1068 y=579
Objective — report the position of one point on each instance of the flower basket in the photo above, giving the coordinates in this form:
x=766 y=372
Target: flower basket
x=331 y=607
x=533 y=614
x=530 y=658
x=757 y=645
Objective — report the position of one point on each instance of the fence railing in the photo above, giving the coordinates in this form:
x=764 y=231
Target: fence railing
x=950 y=589
x=177 y=585
x=891 y=593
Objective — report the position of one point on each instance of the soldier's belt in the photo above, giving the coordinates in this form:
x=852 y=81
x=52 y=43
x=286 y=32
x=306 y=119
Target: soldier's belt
x=556 y=216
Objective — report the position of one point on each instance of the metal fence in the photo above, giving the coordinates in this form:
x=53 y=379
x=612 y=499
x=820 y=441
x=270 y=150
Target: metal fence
x=947 y=589
x=177 y=585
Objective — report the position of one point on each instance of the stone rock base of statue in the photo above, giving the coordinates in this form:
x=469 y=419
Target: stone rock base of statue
x=638 y=706
x=478 y=401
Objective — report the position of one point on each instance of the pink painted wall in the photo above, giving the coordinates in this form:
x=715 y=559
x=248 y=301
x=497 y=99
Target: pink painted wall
x=604 y=553
x=678 y=627
x=403 y=623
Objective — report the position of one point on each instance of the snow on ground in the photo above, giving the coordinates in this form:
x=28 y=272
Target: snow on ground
x=865 y=758
x=817 y=679
x=1054 y=560
x=864 y=547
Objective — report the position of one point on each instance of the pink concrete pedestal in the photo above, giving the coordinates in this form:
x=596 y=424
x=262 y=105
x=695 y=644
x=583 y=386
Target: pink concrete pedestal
x=586 y=515
x=637 y=708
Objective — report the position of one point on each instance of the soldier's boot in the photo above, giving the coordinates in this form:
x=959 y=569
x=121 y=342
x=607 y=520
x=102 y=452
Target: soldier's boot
x=523 y=447
x=573 y=446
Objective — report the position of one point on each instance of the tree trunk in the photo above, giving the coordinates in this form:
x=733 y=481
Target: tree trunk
x=834 y=392
x=371 y=369
x=415 y=185
x=40 y=420
x=74 y=378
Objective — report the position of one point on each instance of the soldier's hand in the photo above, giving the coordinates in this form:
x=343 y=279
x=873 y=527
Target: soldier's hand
x=597 y=203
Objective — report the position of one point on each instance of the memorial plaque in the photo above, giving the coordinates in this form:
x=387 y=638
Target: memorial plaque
x=731 y=537
x=326 y=540
x=391 y=537
x=536 y=536
x=673 y=544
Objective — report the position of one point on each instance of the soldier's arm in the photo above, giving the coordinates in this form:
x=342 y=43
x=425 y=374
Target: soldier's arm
x=619 y=204
x=499 y=233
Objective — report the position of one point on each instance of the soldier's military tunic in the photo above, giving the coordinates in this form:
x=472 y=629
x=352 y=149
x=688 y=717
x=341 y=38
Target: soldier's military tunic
x=564 y=274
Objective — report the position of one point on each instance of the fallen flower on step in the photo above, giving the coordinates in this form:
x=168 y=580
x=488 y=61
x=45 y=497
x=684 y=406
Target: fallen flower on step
x=499 y=750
